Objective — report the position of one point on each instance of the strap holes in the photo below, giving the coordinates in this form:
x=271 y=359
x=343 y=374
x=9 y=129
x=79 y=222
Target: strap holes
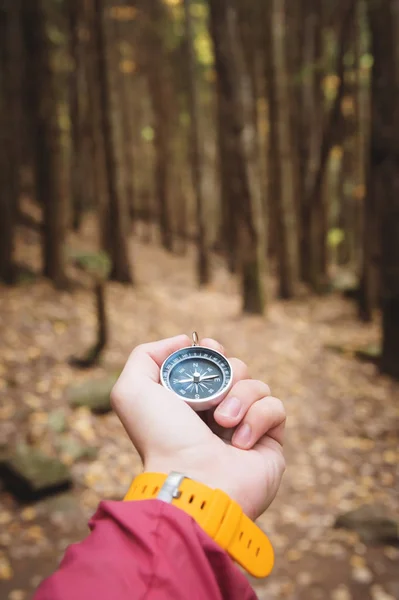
x=155 y=490
x=144 y=489
x=257 y=551
x=249 y=544
x=191 y=499
x=203 y=505
x=241 y=534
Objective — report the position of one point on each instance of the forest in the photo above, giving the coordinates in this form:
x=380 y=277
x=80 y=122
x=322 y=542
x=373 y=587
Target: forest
x=229 y=165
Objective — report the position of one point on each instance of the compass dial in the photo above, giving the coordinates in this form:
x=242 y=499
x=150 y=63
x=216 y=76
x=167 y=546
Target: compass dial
x=199 y=375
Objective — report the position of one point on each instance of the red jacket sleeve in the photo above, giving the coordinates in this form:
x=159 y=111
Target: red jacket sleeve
x=145 y=550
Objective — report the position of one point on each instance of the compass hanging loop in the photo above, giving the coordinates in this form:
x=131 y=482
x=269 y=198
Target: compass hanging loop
x=195 y=339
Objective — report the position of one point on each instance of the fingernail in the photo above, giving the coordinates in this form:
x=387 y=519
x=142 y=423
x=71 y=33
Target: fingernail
x=230 y=407
x=242 y=437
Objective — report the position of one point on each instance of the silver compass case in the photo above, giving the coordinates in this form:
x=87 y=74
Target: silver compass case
x=199 y=375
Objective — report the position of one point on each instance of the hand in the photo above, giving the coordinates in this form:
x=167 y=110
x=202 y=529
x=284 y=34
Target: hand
x=171 y=436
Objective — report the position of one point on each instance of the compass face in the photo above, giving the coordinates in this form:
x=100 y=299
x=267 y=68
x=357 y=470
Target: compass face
x=197 y=374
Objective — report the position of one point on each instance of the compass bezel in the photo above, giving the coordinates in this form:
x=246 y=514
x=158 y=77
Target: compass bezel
x=201 y=403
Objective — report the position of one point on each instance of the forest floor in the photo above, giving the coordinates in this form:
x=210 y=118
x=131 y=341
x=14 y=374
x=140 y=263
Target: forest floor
x=342 y=430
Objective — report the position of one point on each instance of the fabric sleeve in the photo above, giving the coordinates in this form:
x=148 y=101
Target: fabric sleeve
x=145 y=550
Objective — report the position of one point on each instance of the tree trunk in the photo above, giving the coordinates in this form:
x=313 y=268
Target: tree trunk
x=314 y=207
x=49 y=168
x=115 y=213
x=282 y=145
x=310 y=133
x=234 y=90
x=78 y=175
x=125 y=88
x=10 y=114
x=384 y=171
x=159 y=87
x=196 y=150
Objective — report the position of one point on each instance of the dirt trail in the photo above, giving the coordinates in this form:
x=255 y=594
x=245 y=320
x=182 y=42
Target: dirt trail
x=342 y=433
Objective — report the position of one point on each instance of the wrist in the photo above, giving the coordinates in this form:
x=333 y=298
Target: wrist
x=210 y=478
x=214 y=511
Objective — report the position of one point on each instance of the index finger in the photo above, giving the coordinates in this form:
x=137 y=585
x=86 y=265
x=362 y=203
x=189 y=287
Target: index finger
x=147 y=358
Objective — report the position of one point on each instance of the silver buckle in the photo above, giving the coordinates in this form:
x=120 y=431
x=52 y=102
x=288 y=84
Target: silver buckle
x=170 y=489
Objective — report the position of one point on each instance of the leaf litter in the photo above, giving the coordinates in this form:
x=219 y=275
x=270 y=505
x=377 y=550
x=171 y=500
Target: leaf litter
x=342 y=428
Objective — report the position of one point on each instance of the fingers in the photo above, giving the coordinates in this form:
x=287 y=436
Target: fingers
x=241 y=397
x=266 y=417
x=240 y=369
x=211 y=343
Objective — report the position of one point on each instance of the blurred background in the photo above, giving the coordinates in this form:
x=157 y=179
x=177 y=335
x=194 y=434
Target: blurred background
x=225 y=166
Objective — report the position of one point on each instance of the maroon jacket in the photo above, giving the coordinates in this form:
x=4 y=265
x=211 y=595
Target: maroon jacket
x=145 y=550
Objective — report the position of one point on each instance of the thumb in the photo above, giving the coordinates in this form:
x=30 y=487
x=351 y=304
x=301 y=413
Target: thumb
x=150 y=413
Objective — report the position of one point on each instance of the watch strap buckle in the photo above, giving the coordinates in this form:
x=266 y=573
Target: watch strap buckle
x=170 y=489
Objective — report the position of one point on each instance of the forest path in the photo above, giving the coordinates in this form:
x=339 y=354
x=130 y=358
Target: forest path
x=342 y=429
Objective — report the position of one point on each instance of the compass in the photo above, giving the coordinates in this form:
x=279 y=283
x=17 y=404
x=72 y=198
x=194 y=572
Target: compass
x=201 y=376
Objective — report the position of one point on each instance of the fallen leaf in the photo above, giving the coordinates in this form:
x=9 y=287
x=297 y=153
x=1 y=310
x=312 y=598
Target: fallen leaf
x=341 y=593
x=28 y=514
x=377 y=592
x=6 y=572
x=362 y=575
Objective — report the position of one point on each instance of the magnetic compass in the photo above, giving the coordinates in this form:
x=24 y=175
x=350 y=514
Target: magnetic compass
x=201 y=376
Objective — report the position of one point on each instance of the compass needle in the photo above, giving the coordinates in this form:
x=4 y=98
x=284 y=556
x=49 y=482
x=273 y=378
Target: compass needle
x=200 y=376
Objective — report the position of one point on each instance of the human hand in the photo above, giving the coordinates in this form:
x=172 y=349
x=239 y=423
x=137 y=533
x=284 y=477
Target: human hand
x=171 y=436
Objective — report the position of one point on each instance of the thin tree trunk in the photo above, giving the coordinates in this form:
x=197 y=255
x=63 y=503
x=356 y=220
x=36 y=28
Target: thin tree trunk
x=281 y=144
x=114 y=222
x=384 y=177
x=311 y=129
x=78 y=175
x=239 y=138
x=125 y=87
x=10 y=113
x=314 y=209
x=49 y=168
x=196 y=150
x=158 y=74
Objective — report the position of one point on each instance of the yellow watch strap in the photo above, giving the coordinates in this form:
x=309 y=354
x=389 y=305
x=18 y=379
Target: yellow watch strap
x=217 y=514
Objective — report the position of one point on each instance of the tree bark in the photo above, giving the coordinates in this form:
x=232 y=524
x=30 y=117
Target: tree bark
x=159 y=87
x=10 y=113
x=281 y=144
x=78 y=176
x=114 y=218
x=196 y=150
x=238 y=149
x=49 y=168
x=384 y=177
x=314 y=208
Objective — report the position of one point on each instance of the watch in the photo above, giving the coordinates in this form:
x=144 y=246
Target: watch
x=217 y=514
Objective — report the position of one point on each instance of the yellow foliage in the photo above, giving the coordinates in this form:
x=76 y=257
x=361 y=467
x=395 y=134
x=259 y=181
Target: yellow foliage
x=359 y=191
x=6 y=571
x=127 y=66
x=123 y=13
x=336 y=153
x=348 y=106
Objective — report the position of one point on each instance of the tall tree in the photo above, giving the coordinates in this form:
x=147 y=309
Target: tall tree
x=10 y=84
x=384 y=167
x=281 y=145
x=114 y=221
x=155 y=58
x=196 y=149
x=237 y=150
x=49 y=165
x=314 y=207
x=78 y=176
